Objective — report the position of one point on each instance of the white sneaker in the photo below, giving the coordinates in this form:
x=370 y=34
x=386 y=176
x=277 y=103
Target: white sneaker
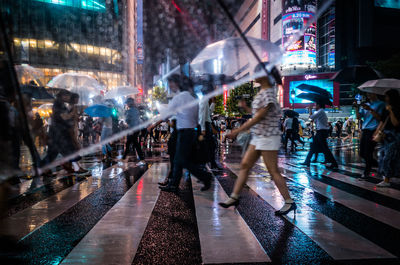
x=383 y=184
x=141 y=163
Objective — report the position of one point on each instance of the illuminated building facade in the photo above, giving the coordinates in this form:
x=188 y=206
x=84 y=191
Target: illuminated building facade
x=86 y=36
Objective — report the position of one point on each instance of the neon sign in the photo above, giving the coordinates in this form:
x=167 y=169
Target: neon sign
x=94 y=5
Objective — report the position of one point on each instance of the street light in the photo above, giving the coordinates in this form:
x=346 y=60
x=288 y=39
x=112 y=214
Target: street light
x=292 y=95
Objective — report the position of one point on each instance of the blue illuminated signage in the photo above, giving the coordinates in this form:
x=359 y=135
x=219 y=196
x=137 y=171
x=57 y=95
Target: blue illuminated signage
x=94 y=5
x=322 y=83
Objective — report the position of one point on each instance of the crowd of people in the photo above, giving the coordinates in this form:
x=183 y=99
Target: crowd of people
x=194 y=134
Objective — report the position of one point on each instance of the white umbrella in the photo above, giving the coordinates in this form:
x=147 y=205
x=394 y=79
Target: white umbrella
x=121 y=91
x=84 y=85
x=27 y=73
x=71 y=80
x=233 y=58
x=380 y=86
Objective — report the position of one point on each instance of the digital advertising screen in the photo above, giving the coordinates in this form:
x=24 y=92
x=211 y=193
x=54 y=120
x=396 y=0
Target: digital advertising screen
x=322 y=83
x=297 y=13
x=388 y=3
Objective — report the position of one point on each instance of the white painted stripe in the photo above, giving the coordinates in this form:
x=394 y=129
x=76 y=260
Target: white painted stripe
x=337 y=240
x=28 y=220
x=392 y=193
x=116 y=237
x=378 y=212
x=224 y=235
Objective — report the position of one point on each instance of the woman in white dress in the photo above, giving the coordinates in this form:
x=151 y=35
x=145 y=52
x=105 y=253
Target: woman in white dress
x=265 y=142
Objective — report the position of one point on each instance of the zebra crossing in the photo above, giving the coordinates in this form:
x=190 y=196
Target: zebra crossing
x=107 y=218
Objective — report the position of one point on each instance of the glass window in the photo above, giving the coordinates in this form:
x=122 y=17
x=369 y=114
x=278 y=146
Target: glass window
x=40 y=44
x=96 y=50
x=89 y=49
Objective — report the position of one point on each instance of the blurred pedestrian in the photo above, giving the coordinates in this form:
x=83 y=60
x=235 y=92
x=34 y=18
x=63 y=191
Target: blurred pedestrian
x=389 y=166
x=320 y=144
x=133 y=120
x=264 y=127
x=186 y=122
x=371 y=115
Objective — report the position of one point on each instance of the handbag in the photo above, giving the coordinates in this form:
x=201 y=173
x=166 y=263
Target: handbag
x=243 y=139
x=379 y=136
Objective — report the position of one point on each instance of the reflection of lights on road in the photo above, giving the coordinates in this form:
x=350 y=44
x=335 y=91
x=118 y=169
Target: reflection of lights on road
x=302 y=179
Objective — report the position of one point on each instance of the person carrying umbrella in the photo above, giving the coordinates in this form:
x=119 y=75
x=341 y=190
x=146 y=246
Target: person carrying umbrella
x=60 y=137
x=320 y=144
x=265 y=130
x=370 y=114
x=133 y=119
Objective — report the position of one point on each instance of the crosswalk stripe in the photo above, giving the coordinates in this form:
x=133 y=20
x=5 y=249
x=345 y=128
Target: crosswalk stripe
x=392 y=193
x=366 y=207
x=334 y=238
x=116 y=237
x=224 y=235
x=28 y=220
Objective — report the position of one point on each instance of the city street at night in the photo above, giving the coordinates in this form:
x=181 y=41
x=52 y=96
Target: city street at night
x=199 y=132
x=119 y=216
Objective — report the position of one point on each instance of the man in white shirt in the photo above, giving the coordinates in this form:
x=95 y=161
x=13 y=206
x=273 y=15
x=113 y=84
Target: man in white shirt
x=186 y=123
x=320 y=144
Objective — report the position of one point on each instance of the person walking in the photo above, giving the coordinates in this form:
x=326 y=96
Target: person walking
x=287 y=126
x=370 y=114
x=173 y=137
x=60 y=136
x=186 y=122
x=389 y=166
x=133 y=119
x=265 y=142
x=320 y=144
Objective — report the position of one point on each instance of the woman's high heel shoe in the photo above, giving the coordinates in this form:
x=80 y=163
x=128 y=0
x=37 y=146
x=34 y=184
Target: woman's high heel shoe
x=293 y=207
x=230 y=202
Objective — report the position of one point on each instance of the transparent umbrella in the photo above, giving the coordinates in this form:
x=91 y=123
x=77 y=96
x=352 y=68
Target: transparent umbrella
x=121 y=91
x=84 y=85
x=73 y=80
x=380 y=86
x=27 y=74
x=233 y=58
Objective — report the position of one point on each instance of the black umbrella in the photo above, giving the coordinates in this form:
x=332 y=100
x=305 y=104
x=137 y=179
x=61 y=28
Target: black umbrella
x=291 y=113
x=36 y=92
x=315 y=98
x=315 y=89
x=356 y=74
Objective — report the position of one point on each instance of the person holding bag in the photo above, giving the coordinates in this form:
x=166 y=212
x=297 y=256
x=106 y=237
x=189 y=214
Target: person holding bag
x=388 y=134
x=265 y=142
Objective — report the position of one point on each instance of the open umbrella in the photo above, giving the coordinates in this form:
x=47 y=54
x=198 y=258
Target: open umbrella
x=233 y=58
x=356 y=74
x=121 y=91
x=27 y=73
x=71 y=80
x=380 y=86
x=291 y=113
x=36 y=92
x=315 y=89
x=315 y=98
x=99 y=110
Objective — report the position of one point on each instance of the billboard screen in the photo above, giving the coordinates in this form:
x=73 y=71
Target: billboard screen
x=296 y=15
x=322 y=83
x=388 y=3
